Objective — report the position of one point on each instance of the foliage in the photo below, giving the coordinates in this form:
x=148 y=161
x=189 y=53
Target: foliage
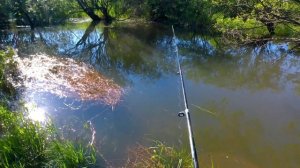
x=237 y=28
x=241 y=19
x=193 y=13
x=104 y=7
x=160 y=156
x=7 y=69
x=236 y=19
x=42 y=12
x=4 y=11
x=25 y=143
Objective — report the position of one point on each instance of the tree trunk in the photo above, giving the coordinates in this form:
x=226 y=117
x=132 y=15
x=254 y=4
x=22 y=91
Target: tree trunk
x=26 y=15
x=31 y=23
x=271 y=28
x=90 y=12
x=107 y=17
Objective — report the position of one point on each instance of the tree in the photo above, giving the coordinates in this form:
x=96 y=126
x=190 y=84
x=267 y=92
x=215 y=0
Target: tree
x=105 y=7
x=4 y=11
x=41 y=12
x=193 y=13
x=270 y=13
x=258 y=21
x=88 y=9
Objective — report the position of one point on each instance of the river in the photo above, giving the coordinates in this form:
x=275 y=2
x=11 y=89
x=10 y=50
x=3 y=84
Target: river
x=244 y=101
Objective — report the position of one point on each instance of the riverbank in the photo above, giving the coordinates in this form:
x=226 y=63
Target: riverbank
x=26 y=143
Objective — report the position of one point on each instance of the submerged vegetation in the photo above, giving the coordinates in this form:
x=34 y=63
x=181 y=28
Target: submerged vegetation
x=67 y=78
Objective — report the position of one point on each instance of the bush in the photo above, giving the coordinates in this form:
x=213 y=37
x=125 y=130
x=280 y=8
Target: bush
x=7 y=69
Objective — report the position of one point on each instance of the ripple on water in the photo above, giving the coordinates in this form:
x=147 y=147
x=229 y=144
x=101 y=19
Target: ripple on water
x=66 y=77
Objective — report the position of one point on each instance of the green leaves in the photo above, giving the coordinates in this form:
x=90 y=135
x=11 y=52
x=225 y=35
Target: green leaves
x=258 y=19
x=7 y=67
x=193 y=14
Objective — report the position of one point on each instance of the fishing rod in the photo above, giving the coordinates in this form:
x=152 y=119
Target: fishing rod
x=186 y=112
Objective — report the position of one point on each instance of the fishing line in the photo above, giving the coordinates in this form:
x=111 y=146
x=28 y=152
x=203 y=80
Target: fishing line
x=98 y=114
x=186 y=112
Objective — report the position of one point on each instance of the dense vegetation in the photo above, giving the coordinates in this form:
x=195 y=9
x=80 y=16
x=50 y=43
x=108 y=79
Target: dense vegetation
x=25 y=143
x=250 y=20
x=7 y=70
x=235 y=19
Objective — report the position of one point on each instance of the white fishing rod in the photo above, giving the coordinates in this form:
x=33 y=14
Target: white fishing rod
x=186 y=112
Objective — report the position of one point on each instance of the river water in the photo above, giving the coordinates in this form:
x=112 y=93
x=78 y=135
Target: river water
x=244 y=101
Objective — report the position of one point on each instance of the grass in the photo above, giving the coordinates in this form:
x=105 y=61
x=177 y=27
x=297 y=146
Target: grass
x=25 y=143
x=159 y=156
x=162 y=156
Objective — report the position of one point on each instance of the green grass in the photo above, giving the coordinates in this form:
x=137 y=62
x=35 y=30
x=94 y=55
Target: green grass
x=25 y=143
x=159 y=156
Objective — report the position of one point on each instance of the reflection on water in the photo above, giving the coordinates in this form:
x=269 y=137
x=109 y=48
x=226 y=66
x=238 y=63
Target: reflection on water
x=253 y=91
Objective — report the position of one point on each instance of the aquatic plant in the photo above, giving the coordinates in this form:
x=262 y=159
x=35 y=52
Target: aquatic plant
x=159 y=156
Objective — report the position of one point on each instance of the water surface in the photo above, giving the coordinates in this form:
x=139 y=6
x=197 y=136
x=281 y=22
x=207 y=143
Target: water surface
x=244 y=100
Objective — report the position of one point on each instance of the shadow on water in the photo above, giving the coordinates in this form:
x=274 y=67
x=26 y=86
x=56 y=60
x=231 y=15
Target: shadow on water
x=253 y=90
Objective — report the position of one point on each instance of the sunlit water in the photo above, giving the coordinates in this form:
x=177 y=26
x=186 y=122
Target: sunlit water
x=65 y=78
x=244 y=101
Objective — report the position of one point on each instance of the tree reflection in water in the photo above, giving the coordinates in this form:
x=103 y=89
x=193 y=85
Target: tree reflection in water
x=260 y=83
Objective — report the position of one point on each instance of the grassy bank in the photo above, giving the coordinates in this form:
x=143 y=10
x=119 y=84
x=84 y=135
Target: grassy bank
x=25 y=143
